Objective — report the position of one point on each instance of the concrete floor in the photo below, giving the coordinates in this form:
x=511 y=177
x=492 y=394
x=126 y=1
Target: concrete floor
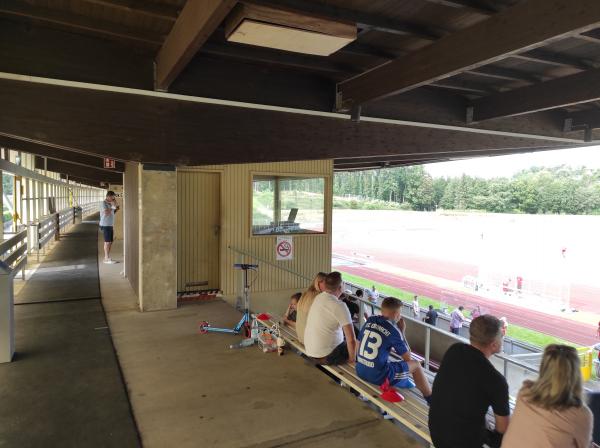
x=64 y=387
x=68 y=272
x=190 y=390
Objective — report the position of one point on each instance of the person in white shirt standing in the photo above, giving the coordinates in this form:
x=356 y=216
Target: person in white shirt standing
x=416 y=308
x=108 y=208
x=328 y=323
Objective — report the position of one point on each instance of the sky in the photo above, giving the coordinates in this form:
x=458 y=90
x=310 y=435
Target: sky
x=506 y=166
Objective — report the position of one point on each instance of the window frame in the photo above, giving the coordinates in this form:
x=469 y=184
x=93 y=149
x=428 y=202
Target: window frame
x=326 y=202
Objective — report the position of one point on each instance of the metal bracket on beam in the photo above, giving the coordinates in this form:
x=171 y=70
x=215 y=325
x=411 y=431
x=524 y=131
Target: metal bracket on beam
x=355 y=113
x=568 y=126
x=469 y=114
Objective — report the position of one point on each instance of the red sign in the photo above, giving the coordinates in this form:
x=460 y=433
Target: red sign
x=109 y=163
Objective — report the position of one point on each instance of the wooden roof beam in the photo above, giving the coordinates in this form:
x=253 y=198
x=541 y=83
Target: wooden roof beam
x=363 y=20
x=79 y=171
x=437 y=154
x=527 y=25
x=196 y=22
x=277 y=57
x=56 y=153
x=140 y=7
x=581 y=87
x=75 y=22
x=467 y=5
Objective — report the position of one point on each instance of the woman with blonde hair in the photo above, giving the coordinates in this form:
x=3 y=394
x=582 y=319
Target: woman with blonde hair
x=306 y=302
x=550 y=412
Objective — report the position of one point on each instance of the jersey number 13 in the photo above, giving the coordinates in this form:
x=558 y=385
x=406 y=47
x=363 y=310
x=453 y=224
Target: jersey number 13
x=369 y=346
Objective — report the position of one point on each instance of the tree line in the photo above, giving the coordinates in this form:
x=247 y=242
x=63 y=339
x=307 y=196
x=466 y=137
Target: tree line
x=535 y=190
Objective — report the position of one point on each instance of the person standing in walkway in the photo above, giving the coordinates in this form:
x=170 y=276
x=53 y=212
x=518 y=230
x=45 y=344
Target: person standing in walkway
x=328 y=323
x=306 y=302
x=108 y=208
x=550 y=412
x=457 y=319
x=466 y=385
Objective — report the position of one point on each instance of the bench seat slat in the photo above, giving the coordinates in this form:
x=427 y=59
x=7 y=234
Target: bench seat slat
x=412 y=412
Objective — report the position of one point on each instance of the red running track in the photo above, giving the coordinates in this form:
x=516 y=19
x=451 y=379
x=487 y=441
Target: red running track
x=569 y=330
x=583 y=297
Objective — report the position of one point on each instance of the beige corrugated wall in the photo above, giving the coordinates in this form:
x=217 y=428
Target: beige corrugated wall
x=312 y=253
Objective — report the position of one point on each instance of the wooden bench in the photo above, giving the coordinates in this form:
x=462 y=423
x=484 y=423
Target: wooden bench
x=412 y=413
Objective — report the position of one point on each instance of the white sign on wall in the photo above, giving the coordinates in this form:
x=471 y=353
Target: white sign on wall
x=284 y=249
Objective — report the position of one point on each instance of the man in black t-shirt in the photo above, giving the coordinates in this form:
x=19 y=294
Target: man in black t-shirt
x=466 y=385
x=431 y=316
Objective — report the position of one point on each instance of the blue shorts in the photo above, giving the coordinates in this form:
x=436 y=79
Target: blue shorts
x=108 y=233
x=399 y=375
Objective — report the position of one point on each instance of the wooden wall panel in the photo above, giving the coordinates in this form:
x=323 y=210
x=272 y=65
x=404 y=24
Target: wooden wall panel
x=198 y=219
x=312 y=252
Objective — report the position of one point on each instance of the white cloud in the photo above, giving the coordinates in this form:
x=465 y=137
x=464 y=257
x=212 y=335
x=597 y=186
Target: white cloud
x=506 y=166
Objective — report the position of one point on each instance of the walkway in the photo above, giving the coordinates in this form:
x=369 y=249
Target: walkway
x=64 y=387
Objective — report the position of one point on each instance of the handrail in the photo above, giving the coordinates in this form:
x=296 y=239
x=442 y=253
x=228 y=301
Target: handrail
x=506 y=360
x=270 y=263
x=508 y=340
x=13 y=252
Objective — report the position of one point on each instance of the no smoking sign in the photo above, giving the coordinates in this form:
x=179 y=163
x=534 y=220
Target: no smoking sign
x=284 y=249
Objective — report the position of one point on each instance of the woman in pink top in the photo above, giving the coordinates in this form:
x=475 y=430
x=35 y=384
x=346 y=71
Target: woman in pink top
x=550 y=412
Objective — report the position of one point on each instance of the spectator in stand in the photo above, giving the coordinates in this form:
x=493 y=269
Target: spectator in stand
x=306 y=302
x=476 y=312
x=466 y=385
x=457 y=319
x=416 y=308
x=431 y=316
x=378 y=337
x=550 y=412
x=351 y=304
x=328 y=323
x=373 y=295
x=504 y=325
x=598 y=331
x=289 y=318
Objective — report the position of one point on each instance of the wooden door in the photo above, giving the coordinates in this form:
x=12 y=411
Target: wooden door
x=198 y=230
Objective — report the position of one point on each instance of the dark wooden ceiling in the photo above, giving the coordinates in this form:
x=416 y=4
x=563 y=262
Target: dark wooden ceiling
x=548 y=87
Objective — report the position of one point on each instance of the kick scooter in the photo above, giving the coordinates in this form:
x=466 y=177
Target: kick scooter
x=243 y=326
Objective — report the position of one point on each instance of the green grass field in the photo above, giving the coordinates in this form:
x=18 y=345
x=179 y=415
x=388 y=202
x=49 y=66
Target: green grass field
x=514 y=331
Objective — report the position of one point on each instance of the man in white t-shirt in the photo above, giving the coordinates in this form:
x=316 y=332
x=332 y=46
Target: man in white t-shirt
x=416 y=308
x=328 y=323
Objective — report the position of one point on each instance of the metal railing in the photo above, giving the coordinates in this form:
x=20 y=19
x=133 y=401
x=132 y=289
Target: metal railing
x=267 y=262
x=49 y=227
x=511 y=346
x=89 y=208
x=13 y=259
x=66 y=217
x=13 y=252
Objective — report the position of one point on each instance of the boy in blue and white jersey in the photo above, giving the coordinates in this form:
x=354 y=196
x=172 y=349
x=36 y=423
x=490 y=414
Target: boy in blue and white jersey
x=377 y=339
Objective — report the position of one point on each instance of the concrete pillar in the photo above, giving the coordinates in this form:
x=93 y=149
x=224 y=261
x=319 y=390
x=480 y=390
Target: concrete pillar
x=7 y=329
x=1 y=208
x=158 y=238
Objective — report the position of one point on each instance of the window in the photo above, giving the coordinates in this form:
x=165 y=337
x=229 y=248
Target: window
x=282 y=205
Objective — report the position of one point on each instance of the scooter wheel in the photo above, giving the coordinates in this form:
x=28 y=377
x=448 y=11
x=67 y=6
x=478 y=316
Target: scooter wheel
x=245 y=331
x=203 y=328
